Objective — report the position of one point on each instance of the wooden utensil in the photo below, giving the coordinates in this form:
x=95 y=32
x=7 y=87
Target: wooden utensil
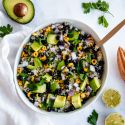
x=111 y=33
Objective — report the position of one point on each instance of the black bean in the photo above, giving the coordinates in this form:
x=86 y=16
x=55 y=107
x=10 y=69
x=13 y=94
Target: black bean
x=72 y=108
x=58 y=91
x=81 y=37
x=49 y=109
x=57 y=37
x=71 y=47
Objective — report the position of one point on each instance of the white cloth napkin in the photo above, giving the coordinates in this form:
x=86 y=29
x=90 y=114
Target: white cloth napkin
x=12 y=110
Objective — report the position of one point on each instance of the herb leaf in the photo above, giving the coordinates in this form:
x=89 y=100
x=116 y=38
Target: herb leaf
x=92 y=119
x=102 y=6
x=99 y=5
x=102 y=21
x=87 y=7
x=4 y=30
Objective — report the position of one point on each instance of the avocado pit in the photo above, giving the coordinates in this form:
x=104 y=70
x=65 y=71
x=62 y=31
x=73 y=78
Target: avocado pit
x=20 y=10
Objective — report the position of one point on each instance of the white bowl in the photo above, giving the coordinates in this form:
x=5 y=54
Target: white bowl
x=81 y=26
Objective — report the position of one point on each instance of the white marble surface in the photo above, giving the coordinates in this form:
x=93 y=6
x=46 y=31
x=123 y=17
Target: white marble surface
x=47 y=9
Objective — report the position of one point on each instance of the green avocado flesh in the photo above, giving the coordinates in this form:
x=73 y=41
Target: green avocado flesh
x=9 y=8
x=59 y=101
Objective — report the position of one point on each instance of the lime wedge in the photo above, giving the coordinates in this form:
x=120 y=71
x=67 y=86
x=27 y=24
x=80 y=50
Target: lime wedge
x=111 y=98
x=114 y=119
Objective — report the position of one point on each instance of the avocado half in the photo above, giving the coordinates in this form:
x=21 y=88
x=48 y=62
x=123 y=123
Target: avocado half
x=25 y=7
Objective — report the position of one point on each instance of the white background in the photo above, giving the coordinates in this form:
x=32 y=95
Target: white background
x=47 y=9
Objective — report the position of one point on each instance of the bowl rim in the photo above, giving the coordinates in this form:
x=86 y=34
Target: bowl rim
x=91 y=100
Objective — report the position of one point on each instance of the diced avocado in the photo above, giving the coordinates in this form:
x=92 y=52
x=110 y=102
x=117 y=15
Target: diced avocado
x=21 y=11
x=54 y=86
x=35 y=46
x=50 y=100
x=83 y=84
x=37 y=62
x=60 y=65
x=51 y=39
x=47 y=77
x=59 y=101
x=76 y=101
x=74 y=36
x=49 y=97
x=37 y=88
x=95 y=84
x=31 y=67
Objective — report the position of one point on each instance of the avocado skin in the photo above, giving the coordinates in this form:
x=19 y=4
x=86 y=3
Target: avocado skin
x=3 y=2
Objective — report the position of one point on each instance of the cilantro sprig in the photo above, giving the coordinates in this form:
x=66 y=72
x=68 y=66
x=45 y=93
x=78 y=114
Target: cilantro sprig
x=100 y=5
x=102 y=20
x=4 y=30
x=92 y=119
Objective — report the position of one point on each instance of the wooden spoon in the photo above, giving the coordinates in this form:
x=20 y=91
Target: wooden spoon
x=111 y=33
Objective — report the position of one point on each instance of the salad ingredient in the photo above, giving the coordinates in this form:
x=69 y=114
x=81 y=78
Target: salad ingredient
x=121 y=62
x=36 y=46
x=92 y=119
x=54 y=86
x=20 y=11
x=76 y=101
x=83 y=84
x=4 y=30
x=111 y=98
x=60 y=65
x=95 y=84
x=99 y=5
x=114 y=119
x=51 y=38
x=59 y=101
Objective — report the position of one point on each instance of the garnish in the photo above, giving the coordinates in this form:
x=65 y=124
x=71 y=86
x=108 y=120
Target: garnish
x=92 y=119
x=102 y=20
x=4 y=30
x=99 y=5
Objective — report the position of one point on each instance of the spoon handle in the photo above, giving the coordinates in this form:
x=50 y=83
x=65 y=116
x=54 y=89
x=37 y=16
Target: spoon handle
x=111 y=33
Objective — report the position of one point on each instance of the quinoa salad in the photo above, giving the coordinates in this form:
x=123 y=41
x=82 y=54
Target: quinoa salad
x=60 y=68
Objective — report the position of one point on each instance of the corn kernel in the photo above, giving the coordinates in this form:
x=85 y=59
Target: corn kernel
x=43 y=48
x=85 y=69
x=48 y=29
x=90 y=44
x=87 y=94
x=65 y=69
x=28 y=94
x=19 y=70
x=58 y=81
x=66 y=39
x=40 y=105
x=64 y=57
x=35 y=54
x=82 y=95
x=94 y=61
x=43 y=58
x=35 y=34
x=32 y=78
x=22 y=55
x=68 y=98
x=79 y=48
x=19 y=83
x=78 y=81
x=46 y=66
x=61 y=81
x=70 y=65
